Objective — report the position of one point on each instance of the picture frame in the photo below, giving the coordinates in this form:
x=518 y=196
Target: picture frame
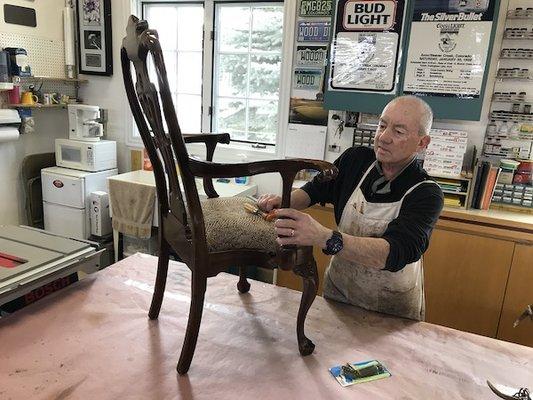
x=95 y=53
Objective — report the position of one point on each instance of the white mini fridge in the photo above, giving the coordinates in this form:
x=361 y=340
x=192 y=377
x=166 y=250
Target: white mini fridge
x=66 y=199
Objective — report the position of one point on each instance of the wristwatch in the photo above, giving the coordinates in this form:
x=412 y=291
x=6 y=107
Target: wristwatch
x=334 y=244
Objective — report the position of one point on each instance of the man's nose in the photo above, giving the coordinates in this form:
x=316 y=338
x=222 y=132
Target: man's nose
x=386 y=135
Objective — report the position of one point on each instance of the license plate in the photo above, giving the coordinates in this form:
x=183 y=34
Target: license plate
x=315 y=8
x=314 y=31
x=307 y=79
x=311 y=56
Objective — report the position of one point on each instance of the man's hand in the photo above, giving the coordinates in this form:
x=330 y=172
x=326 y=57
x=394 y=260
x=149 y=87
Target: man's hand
x=268 y=202
x=300 y=229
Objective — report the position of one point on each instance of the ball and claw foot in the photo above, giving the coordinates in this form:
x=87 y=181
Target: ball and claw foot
x=243 y=286
x=306 y=347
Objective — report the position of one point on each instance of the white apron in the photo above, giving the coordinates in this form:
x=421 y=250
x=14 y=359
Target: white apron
x=398 y=293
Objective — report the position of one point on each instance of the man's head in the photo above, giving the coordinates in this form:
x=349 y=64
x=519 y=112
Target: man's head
x=403 y=129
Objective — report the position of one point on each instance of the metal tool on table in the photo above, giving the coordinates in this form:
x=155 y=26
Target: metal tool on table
x=521 y=394
x=528 y=312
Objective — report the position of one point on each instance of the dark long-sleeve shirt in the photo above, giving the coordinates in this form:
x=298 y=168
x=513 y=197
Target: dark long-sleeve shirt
x=408 y=234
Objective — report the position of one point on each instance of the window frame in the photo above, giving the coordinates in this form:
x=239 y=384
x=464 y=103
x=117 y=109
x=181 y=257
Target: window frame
x=215 y=75
x=248 y=149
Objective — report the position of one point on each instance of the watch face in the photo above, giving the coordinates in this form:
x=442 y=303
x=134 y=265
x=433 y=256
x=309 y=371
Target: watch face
x=337 y=246
x=334 y=244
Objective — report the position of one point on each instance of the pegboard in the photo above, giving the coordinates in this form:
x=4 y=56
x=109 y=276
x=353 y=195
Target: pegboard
x=46 y=56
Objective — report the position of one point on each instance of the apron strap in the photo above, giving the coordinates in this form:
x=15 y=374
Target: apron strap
x=412 y=188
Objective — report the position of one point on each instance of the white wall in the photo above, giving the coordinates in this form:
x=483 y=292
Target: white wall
x=50 y=124
x=108 y=92
x=48 y=15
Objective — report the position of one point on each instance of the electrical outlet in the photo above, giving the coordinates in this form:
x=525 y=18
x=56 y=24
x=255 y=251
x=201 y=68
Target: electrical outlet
x=334 y=148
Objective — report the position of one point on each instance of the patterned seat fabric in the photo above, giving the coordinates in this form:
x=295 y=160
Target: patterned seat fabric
x=229 y=227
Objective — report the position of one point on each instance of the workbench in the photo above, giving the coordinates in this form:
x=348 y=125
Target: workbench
x=93 y=340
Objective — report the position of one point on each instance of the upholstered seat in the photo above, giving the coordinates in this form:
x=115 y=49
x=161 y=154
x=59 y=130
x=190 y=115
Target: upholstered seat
x=229 y=227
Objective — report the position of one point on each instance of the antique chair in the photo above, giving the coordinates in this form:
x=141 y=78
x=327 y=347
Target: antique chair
x=208 y=236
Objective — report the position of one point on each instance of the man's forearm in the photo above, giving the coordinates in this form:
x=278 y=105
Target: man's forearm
x=300 y=199
x=367 y=251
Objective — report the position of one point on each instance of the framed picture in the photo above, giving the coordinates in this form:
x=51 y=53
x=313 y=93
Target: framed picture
x=95 y=56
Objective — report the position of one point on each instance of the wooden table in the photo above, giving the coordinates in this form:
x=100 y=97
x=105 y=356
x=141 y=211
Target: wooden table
x=93 y=340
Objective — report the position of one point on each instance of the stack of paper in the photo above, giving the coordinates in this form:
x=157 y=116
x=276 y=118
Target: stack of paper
x=445 y=153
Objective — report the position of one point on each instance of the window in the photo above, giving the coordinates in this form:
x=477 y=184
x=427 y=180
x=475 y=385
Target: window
x=247 y=70
x=228 y=85
x=180 y=29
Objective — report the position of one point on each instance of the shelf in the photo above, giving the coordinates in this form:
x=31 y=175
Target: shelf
x=50 y=79
x=509 y=116
x=530 y=59
x=458 y=177
x=6 y=86
x=512 y=102
x=37 y=106
x=452 y=192
x=528 y=79
x=519 y=17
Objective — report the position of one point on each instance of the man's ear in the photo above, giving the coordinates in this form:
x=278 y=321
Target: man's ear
x=424 y=142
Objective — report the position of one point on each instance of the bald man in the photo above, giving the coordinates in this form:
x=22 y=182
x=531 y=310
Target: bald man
x=385 y=206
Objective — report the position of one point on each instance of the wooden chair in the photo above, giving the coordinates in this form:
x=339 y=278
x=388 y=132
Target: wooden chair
x=211 y=235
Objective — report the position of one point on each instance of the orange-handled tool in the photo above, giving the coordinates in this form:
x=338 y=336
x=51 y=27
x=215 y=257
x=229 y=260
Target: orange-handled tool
x=271 y=216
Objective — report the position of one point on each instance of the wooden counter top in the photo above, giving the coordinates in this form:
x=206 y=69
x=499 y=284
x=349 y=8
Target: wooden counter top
x=493 y=218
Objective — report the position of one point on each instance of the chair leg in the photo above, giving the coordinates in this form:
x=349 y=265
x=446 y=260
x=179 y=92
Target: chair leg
x=160 y=280
x=243 y=286
x=198 y=286
x=309 y=274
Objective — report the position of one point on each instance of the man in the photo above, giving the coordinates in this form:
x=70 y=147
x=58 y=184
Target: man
x=385 y=206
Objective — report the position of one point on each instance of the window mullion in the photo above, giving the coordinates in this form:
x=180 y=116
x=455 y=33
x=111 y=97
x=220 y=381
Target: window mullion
x=249 y=59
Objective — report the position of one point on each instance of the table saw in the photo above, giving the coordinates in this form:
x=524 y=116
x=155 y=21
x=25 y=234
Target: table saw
x=31 y=258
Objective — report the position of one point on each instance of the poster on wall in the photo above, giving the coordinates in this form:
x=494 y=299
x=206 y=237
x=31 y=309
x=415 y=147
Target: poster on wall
x=306 y=103
x=365 y=47
x=448 y=47
x=95 y=55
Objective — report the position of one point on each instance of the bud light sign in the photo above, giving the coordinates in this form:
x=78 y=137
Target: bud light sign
x=369 y=15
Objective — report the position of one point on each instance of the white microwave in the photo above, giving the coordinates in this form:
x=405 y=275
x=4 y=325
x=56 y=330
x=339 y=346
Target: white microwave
x=86 y=156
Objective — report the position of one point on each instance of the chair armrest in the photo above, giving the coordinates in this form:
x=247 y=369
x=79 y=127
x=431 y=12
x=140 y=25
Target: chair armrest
x=286 y=168
x=210 y=140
